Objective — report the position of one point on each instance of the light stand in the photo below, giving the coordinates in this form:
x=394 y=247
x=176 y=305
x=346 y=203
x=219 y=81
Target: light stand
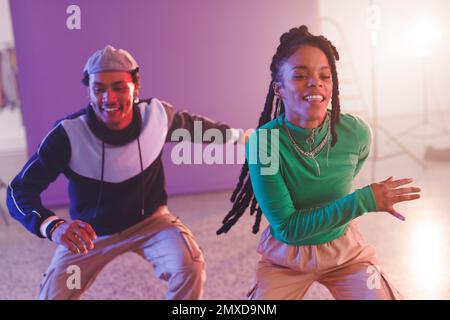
x=373 y=23
x=425 y=122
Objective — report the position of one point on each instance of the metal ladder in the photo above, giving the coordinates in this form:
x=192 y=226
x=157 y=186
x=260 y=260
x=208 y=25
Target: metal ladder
x=349 y=85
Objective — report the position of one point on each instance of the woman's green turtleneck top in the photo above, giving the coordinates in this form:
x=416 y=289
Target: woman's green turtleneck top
x=307 y=200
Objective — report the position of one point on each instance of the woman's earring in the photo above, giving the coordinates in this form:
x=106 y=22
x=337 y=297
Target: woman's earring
x=136 y=100
x=278 y=106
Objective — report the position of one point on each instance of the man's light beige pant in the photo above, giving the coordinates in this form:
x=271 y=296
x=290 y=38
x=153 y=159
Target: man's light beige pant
x=347 y=266
x=161 y=239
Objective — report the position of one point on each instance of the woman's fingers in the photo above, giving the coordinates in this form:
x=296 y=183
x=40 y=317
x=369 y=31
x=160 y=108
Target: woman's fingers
x=388 y=179
x=397 y=215
x=387 y=193
x=400 y=191
x=399 y=182
x=403 y=194
x=405 y=197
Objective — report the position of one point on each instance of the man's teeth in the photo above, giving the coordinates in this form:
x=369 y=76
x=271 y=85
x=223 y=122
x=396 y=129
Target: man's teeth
x=110 y=109
x=314 y=98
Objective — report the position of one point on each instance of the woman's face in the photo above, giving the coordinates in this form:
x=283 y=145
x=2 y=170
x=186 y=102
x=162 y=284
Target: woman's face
x=305 y=86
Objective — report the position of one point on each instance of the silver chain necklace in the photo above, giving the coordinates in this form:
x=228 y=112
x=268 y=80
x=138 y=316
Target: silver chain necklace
x=312 y=153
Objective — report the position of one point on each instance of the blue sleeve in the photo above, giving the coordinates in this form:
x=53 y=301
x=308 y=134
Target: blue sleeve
x=23 y=196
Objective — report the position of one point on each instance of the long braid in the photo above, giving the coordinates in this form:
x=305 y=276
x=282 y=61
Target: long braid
x=243 y=196
x=241 y=203
x=333 y=56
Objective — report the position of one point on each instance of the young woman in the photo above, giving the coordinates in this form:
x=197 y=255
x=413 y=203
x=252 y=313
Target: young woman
x=307 y=199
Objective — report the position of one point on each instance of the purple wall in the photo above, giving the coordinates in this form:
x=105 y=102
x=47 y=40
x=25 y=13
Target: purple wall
x=209 y=57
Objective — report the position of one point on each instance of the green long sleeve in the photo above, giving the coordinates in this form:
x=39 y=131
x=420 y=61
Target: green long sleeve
x=303 y=207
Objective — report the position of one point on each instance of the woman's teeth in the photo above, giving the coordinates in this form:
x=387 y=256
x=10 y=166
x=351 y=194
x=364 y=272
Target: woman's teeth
x=314 y=98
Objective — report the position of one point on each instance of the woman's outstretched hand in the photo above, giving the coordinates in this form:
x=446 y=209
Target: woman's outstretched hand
x=387 y=193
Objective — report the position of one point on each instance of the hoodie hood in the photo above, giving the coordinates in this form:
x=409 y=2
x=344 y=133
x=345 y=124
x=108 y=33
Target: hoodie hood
x=115 y=137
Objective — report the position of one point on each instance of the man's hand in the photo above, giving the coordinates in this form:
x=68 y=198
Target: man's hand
x=76 y=236
x=387 y=193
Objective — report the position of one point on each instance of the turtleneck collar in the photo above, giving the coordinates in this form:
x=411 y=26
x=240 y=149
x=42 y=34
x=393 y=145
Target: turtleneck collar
x=305 y=133
x=115 y=137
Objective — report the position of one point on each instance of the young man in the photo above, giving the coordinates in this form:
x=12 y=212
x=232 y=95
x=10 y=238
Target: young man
x=111 y=154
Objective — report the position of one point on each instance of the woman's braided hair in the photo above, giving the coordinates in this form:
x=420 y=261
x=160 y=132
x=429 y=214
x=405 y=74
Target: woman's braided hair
x=289 y=43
